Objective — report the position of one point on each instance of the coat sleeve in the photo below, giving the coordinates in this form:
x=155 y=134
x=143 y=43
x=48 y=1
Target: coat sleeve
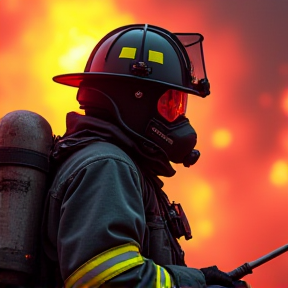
x=100 y=231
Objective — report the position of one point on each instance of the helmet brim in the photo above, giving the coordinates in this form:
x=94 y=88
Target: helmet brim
x=75 y=79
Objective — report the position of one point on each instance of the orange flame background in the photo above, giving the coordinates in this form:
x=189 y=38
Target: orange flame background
x=236 y=196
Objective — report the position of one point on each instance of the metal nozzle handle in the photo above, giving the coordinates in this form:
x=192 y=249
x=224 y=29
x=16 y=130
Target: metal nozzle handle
x=246 y=268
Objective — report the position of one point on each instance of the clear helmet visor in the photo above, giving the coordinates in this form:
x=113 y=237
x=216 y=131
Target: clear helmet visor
x=172 y=104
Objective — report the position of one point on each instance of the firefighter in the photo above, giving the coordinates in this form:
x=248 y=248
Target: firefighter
x=107 y=220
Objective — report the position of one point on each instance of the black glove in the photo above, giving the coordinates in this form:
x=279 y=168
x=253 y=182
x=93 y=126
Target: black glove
x=213 y=276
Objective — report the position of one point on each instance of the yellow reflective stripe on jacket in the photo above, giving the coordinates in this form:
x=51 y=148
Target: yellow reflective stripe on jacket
x=163 y=278
x=105 y=266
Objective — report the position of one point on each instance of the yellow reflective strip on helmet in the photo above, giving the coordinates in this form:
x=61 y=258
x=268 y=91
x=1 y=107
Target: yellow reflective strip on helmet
x=155 y=56
x=128 y=52
x=101 y=258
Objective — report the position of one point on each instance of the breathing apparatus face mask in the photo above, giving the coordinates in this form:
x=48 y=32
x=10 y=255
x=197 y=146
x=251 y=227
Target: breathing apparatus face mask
x=172 y=131
x=167 y=126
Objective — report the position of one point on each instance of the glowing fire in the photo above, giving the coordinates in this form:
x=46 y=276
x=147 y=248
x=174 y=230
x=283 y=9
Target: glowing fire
x=242 y=127
x=221 y=138
x=279 y=173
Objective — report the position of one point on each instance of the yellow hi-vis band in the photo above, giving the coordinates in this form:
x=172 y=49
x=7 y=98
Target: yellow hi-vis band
x=163 y=278
x=105 y=266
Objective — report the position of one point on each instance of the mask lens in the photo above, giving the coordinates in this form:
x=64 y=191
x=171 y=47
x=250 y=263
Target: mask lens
x=172 y=104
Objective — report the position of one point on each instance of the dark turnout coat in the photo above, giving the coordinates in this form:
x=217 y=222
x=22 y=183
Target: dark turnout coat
x=105 y=197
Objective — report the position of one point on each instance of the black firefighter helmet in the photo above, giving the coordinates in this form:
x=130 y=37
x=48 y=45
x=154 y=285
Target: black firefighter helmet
x=147 y=73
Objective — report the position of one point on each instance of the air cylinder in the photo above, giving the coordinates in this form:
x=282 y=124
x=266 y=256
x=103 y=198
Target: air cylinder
x=25 y=143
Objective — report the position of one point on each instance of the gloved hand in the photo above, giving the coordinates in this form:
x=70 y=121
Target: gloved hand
x=214 y=276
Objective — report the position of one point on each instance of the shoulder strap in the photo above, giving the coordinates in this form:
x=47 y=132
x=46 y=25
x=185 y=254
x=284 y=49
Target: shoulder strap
x=164 y=205
x=164 y=209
